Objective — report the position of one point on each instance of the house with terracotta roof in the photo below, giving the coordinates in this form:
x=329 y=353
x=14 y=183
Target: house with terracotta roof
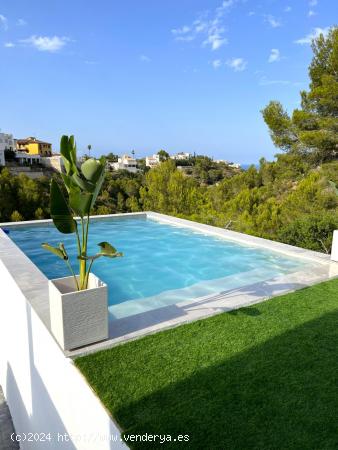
x=33 y=146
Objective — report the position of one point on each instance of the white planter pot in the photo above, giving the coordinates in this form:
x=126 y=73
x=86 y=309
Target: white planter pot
x=78 y=318
x=334 y=248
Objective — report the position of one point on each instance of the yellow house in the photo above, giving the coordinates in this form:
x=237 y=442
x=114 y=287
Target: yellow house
x=33 y=146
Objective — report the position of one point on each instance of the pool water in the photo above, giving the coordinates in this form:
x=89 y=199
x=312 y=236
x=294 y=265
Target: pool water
x=162 y=264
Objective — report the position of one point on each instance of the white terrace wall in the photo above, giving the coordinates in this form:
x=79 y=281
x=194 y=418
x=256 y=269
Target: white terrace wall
x=44 y=390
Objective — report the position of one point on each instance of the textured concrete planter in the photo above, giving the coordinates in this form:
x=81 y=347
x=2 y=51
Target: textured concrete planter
x=78 y=318
x=334 y=248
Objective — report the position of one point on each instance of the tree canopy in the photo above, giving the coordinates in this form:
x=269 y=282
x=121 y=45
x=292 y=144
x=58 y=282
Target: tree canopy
x=163 y=155
x=311 y=130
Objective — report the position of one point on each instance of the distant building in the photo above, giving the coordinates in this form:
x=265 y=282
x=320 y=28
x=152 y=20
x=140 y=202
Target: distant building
x=125 y=162
x=25 y=159
x=2 y=157
x=230 y=164
x=54 y=162
x=152 y=161
x=181 y=156
x=33 y=146
x=6 y=142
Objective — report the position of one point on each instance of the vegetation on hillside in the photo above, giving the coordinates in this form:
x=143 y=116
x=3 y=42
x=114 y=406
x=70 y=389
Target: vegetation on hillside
x=291 y=199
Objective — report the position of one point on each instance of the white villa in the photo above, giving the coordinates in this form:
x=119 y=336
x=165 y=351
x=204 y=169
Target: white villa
x=6 y=143
x=235 y=165
x=27 y=159
x=53 y=162
x=181 y=156
x=125 y=162
x=152 y=161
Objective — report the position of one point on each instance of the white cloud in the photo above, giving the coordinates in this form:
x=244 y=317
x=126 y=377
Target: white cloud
x=274 y=23
x=21 y=22
x=199 y=26
x=188 y=38
x=45 y=43
x=312 y=3
x=208 y=26
x=145 y=58
x=9 y=44
x=287 y=9
x=274 y=55
x=237 y=64
x=216 y=63
x=183 y=30
x=214 y=31
x=3 y=22
x=224 y=7
x=185 y=34
x=264 y=81
x=315 y=33
x=251 y=13
x=215 y=38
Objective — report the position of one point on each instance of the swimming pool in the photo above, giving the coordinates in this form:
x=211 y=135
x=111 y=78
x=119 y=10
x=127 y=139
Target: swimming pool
x=163 y=264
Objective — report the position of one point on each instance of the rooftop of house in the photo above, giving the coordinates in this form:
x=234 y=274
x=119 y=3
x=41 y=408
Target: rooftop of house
x=31 y=140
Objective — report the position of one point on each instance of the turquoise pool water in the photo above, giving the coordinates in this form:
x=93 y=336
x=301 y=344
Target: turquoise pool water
x=163 y=264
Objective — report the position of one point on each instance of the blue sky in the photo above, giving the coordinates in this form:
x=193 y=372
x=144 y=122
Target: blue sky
x=183 y=75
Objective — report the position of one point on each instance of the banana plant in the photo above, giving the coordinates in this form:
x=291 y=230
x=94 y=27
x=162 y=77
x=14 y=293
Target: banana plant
x=71 y=214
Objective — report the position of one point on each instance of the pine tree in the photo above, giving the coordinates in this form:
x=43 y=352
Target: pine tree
x=313 y=129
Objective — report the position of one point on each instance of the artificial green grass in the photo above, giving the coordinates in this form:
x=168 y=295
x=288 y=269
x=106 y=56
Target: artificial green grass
x=264 y=377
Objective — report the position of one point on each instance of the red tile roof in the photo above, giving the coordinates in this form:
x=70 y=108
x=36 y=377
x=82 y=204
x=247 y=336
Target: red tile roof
x=31 y=140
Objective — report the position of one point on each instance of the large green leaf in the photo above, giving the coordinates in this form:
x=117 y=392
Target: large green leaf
x=68 y=182
x=91 y=169
x=108 y=250
x=59 y=252
x=80 y=202
x=98 y=184
x=64 y=150
x=68 y=153
x=72 y=149
x=60 y=211
x=82 y=183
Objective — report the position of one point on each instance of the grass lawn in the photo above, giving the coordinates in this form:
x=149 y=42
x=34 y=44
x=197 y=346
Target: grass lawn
x=264 y=377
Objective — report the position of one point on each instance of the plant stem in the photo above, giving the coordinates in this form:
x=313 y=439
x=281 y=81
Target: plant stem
x=88 y=271
x=72 y=272
x=83 y=262
x=85 y=245
x=87 y=230
x=78 y=242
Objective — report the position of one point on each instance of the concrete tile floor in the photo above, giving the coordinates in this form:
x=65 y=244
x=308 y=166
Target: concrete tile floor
x=6 y=426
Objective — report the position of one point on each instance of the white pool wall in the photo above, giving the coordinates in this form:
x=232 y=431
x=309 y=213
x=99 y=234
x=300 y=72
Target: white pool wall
x=45 y=392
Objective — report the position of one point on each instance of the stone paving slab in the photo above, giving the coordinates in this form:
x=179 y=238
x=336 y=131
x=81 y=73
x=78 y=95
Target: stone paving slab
x=6 y=426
